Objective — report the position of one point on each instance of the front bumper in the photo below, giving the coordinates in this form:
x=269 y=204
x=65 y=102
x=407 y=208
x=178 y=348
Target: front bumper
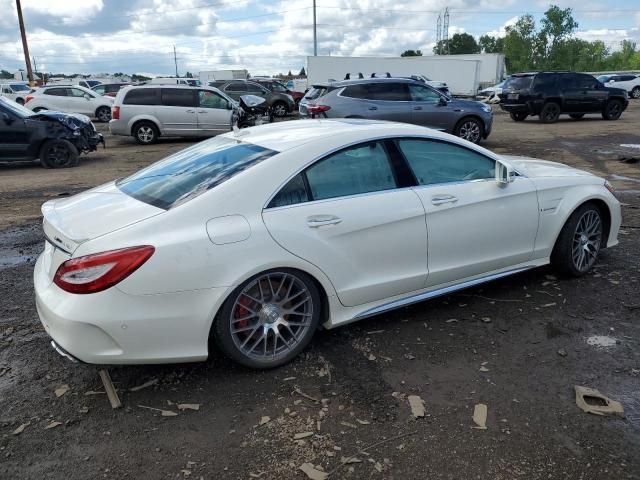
x=515 y=107
x=112 y=327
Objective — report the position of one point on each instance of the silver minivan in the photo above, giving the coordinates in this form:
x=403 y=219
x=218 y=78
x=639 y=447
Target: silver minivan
x=148 y=112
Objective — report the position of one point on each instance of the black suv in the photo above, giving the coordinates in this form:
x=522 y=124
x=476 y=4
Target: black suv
x=549 y=94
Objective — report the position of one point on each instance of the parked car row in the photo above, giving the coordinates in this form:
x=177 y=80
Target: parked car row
x=628 y=82
x=16 y=91
x=279 y=100
x=70 y=99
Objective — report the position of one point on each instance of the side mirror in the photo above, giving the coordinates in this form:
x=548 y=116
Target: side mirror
x=442 y=102
x=7 y=119
x=87 y=96
x=504 y=174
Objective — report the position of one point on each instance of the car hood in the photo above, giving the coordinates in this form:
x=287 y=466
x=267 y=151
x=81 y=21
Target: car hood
x=74 y=220
x=467 y=104
x=71 y=120
x=616 y=91
x=535 y=168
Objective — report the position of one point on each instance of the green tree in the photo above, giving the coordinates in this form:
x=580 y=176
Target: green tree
x=558 y=26
x=302 y=73
x=520 y=45
x=411 y=53
x=458 y=44
x=5 y=74
x=188 y=75
x=489 y=44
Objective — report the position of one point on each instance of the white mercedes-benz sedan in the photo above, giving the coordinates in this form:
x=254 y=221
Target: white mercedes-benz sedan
x=252 y=239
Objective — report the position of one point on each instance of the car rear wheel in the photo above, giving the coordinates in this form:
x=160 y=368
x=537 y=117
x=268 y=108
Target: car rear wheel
x=576 y=116
x=280 y=109
x=470 y=129
x=145 y=133
x=103 y=114
x=550 y=113
x=612 y=110
x=635 y=93
x=269 y=319
x=518 y=116
x=579 y=242
x=58 y=154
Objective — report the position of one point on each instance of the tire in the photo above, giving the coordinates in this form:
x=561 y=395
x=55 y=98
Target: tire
x=258 y=308
x=635 y=93
x=470 y=129
x=280 y=109
x=576 y=116
x=550 y=112
x=612 y=110
x=20 y=101
x=578 y=245
x=58 y=154
x=518 y=116
x=103 y=114
x=145 y=133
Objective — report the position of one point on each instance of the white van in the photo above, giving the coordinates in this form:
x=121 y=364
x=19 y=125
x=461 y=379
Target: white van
x=16 y=91
x=192 y=82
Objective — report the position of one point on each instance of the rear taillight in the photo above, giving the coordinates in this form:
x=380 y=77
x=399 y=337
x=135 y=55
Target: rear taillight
x=97 y=272
x=115 y=113
x=313 y=109
x=28 y=98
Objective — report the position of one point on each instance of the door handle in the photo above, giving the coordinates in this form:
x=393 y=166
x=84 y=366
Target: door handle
x=322 y=220
x=417 y=108
x=442 y=199
x=191 y=111
x=202 y=111
x=373 y=108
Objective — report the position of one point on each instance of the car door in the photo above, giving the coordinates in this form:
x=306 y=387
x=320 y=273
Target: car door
x=255 y=89
x=592 y=95
x=214 y=114
x=77 y=102
x=235 y=89
x=475 y=226
x=345 y=215
x=572 y=93
x=387 y=101
x=55 y=99
x=430 y=109
x=177 y=111
x=14 y=136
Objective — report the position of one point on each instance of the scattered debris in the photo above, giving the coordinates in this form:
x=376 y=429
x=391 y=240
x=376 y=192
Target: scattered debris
x=189 y=406
x=562 y=352
x=84 y=410
x=346 y=460
x=452 y=320
x=546 y=305
x=417 y=405
x=374 y=332
x=601 y=341
x=21 y=428
x=165 y=413
x=60 y=391
x=408 y=356
x=264 y=420
x=114 y=400
x=347 y=424
x=480 y=416
x=486 y=319
x=363 y=422
x=592 y=401
x=484 y=369
x=150 y=383
x=300 y=436
x=53 y=424
x=311 y=472
x=302 y=394
x=288 y=379
x=371 y=357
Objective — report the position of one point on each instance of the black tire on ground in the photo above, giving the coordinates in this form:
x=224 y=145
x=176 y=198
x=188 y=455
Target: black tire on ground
x=550 y=112
x=576 y=116
x=580 y=240
x=280 y=109
x=518 y=116
x=635 y=93
x=470 y=129
x=264 y=303
x=612 y=110
x=145 y=133
x=103 y=114
x=58 y=154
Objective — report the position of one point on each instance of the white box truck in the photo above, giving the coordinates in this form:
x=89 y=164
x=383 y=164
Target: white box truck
x=211 y=75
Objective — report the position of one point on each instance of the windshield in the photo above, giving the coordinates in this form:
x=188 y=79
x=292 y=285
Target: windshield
x=604 y=78
x=278 y=87
x=518 y=83
x=193 y=171
x=15 y=108
x=19 y=87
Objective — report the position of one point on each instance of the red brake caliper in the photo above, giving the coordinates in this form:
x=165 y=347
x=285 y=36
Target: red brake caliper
x=241 y=311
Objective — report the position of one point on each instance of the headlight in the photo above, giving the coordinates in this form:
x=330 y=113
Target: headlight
x=486 y=108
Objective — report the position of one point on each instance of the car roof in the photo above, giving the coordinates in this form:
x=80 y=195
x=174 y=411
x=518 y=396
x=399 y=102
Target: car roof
x=359 y=81
x=333 y=133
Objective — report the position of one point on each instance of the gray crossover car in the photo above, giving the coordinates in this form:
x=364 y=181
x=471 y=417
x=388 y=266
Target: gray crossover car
x=281 y=103
x=399 y=100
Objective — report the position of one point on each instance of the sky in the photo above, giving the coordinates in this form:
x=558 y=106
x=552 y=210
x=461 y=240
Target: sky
x=264 y=36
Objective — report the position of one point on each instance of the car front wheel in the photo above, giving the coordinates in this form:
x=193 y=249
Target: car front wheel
x=269 y=319
x=58 y=154
x=635 y=93
x=579 y=242
x=280 y=109
x=470 y=129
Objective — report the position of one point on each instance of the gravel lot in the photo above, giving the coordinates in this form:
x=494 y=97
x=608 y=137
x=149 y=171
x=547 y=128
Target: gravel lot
x=518 y=345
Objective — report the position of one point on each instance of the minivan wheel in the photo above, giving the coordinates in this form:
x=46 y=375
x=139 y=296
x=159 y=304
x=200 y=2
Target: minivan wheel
x=635 y=93
x=145 y=133
x=550 y=113
x=612 y=110
x=518 y=116
x=58 y=153
x=576 y=116
x=470 y=129
x=579 y=242
x=103 y=114
x=269 y=319
x=280 y=109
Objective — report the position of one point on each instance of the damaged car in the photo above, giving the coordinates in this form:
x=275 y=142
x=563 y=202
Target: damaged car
x=56 y=139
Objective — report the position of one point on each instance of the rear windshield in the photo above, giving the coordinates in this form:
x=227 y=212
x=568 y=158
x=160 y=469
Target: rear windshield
x=316 y=92
x=20 y=87
x=518 y=83
x=193 y=171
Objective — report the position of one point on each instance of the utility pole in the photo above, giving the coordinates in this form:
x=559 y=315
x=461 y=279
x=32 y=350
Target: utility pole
x=445 y=30
x=25 y=47
x=315 y=31
x=175 y=59
x=439 y=35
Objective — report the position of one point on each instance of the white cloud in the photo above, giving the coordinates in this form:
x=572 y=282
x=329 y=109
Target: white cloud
x=502 y=31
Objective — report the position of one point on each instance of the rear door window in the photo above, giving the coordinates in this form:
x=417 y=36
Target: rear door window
x=193 y=171
x=236 y=87
x=178 y=97
x=388 y=91
x=142 y=96
x=355 y=91
x=586 y=82
x=420 y=93
x=58 y=92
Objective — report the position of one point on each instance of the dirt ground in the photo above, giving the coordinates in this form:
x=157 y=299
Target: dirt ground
x=518 y=345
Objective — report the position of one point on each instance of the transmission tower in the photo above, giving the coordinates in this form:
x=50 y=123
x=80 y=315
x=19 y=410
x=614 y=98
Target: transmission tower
x=445 y=30
x=439 y=35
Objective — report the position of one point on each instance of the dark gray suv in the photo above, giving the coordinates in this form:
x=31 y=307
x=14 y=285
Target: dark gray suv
x=401 y=100
x=281 y=103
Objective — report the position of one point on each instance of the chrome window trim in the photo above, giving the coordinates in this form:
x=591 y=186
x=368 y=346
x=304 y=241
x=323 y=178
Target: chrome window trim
x=339 y=94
